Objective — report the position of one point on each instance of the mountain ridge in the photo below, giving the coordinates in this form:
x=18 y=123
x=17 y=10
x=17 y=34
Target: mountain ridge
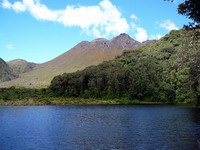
x=6 y=73
x=20 y=66
x=84 y=54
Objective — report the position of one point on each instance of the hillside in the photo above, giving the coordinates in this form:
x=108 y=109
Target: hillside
x=79 y=57
x=165 y=71
x=6 y=73
x=21 y=66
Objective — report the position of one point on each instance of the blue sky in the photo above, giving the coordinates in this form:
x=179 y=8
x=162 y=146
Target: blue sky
x=40 y=30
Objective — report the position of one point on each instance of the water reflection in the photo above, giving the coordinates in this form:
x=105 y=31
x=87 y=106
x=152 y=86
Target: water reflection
x=99 y=127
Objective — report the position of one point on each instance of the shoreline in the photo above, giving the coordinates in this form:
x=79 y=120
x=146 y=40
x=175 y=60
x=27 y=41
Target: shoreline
x=62 y=102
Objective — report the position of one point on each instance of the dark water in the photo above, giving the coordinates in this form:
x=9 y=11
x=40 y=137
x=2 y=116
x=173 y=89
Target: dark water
x=99 y=127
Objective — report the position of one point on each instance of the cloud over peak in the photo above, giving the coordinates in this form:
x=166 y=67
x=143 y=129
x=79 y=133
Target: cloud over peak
x=168 y=25
x=103 y=19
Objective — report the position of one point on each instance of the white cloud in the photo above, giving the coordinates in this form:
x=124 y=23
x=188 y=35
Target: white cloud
x=141 y=34
x=168 y=25
x=155 y=37
x=103 y=19
x=18 y=7
x=6 y=4
x=133 y=26
x=158 y=36
x=9 y=46
x=134 y=17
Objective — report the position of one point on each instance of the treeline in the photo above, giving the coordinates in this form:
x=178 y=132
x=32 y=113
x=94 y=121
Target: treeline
x=13 y=93
x=165 y=71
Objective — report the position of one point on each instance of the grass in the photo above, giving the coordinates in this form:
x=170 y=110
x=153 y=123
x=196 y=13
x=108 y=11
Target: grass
x=73 y=101
x=35 y=97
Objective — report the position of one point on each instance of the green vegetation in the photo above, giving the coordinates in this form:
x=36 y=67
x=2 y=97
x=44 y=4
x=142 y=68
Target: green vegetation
x=165 y=71
x=13 y=93
x=31 y=97
x=190 y=9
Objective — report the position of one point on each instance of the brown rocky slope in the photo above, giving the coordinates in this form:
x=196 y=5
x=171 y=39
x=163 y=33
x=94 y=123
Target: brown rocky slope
x=79 y=57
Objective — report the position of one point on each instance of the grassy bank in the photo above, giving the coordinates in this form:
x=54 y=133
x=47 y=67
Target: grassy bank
x=74 y=101
x=36 y=97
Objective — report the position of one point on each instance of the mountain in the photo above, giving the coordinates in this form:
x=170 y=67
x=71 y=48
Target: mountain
x=167 y=70
x=6 y=73
x=20 y=66
x=79 y=57
x=148 y=42
x=90 y=53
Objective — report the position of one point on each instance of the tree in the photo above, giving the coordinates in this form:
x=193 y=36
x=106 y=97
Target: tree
x=190 y=9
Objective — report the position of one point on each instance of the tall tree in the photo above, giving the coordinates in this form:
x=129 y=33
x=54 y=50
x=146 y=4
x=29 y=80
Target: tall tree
x=190 y=9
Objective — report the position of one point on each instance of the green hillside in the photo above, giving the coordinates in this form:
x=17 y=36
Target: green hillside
x=21 y=66
x=6 y=73
x=165 y=71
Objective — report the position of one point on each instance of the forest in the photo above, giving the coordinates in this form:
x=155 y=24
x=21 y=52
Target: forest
x=165 y=71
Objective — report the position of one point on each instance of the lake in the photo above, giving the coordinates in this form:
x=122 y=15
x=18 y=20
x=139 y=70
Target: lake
x=97 y=127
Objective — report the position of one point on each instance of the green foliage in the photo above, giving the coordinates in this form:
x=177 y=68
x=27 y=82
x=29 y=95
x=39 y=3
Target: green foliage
x=165 y=71
x=190 y=9
x=7 y=94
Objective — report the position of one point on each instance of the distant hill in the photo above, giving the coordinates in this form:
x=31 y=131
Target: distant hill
x=6 y=73
x=79 y=57
x=20 y=66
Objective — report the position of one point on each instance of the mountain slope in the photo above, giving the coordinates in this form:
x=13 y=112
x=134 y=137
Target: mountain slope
x=20 y=66
x=90 y=53
x=6 y=73
x=79 y=57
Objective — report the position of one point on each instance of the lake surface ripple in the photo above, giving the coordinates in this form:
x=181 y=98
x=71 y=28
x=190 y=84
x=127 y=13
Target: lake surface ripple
x=97 y=127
